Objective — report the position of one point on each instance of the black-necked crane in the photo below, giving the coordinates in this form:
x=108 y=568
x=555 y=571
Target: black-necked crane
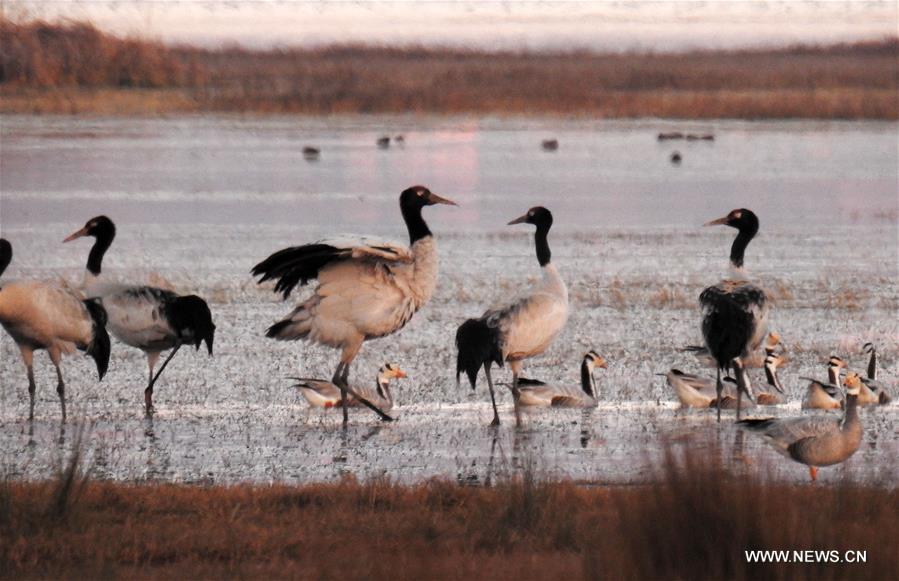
x=520 y=330
x=819 y=440
x=735 y=311
x=321 y=393
x=52 y=316
x=535 y=393
x=367 y=288
x=149 y=318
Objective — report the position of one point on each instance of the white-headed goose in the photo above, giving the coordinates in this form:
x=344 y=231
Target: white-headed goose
x=825 y=395
x=873 y=392
x=519 y=330
x=148 y=318
x=819 y=440
x=52 y=316
x=539 y=394
x=367 y=289
x=735 y=311
x=775 y=396
x=321 y=393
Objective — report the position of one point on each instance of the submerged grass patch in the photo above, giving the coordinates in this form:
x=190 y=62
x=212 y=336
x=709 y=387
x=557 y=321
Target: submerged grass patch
x=694 y=520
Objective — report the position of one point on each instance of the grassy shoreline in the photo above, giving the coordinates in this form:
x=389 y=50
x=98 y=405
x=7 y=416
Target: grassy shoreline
x=75 y=68
x=693 y=522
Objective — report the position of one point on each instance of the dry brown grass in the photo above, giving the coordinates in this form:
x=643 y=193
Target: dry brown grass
x=70 y=62
x=694 y=522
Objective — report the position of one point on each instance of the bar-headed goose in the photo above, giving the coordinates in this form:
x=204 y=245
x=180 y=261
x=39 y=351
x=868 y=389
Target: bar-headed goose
x=540 y=394
x=321 y=393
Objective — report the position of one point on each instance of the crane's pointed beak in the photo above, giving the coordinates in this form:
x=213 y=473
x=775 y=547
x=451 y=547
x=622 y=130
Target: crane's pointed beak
x=718 y=222
x=435 y=199
x=519 y=220
x=79 y=234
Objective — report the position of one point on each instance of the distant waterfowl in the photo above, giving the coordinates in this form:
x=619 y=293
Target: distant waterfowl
x=311 y=153
x=146 y=317
x=321 y=393
x=670 y=135
x=873 y=392
x=550 y=144
x=399 y=139
x=520 y=330
x=735 y=311
x=825 y=396
x=816 y=441
x=676 y=158
x=773 y=346
x=383 y=142
x=367 y=289
x=540 y=394
x=52 y=316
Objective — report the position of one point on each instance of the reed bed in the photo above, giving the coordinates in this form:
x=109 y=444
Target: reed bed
x=76 y=68
x=694 y=520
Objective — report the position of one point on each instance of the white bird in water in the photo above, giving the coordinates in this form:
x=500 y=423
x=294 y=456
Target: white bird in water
x=52 y=316
x=735 y=311
x=816 y=441
x=146 y=317
x=825 y=395
x=321 y=393
x=520 y=330
x=367 y=289
x=536 y=393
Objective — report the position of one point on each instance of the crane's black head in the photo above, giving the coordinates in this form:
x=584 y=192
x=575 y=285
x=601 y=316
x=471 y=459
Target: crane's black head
x=747 y=223
x=412 y=200
x=538 y=216
x=103 y=230
x=100 y=228
x=5 y=254
x=420 y=196
x=742 y=219
x=543 y=219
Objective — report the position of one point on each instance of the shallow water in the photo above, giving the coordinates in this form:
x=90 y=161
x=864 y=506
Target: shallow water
x=198 y=201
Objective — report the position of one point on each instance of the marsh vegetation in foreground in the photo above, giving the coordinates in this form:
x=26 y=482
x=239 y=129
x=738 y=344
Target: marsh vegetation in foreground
x=694 y=520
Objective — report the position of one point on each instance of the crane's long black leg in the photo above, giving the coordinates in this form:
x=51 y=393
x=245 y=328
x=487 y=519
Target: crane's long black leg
x=342 y=383
x=31 y=389
x=495 y=421
x=61 y=390
x=719 y=388
x=148 y=393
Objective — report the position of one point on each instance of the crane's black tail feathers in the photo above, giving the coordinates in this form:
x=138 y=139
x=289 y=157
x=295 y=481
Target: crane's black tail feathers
x=297 y=265
x=192 y=320
x=99 y=347
x=478 y=344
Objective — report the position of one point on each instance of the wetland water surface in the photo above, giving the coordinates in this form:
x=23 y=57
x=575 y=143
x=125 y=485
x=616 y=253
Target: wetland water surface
x=198 y=201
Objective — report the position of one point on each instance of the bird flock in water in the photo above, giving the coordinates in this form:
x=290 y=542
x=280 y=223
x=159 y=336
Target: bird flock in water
x=368 y=289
